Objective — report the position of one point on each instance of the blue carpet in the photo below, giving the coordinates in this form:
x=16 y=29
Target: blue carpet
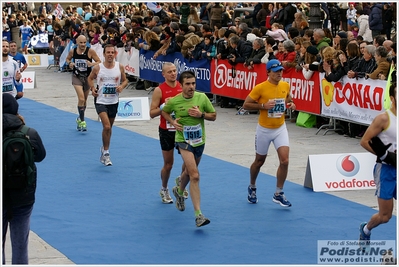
x=113 y=215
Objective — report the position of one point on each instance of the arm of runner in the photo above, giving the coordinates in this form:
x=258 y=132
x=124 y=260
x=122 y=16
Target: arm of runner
x=377 y=126
x=94 y=56
x=155 y=109
x=124 y=80
x=91 y=78
x=69 y=59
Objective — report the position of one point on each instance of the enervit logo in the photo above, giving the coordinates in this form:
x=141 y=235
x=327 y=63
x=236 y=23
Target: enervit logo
x=348 y=165
x=220 y=76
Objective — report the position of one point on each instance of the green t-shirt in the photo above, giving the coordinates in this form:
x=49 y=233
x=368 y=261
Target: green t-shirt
x=193 y=128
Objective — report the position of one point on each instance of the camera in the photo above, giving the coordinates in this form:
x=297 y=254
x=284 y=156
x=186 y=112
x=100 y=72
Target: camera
x=230 y=56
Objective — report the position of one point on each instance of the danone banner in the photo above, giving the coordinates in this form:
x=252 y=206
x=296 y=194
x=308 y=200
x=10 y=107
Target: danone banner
x=354 y=100
x=151 y=69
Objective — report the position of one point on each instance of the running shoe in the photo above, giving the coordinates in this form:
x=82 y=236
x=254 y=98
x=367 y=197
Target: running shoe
x=78 y=124
x=105 y=158
x=201 y=220
x=83 y=126
x=185 y=192
x=165 y=196
x=252 y=195
x=179 y=199
x=364 y=240
x=280 y=199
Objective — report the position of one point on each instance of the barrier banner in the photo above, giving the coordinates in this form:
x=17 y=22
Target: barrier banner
x=133 y=108
x=354 y=100
x=151 y=69
x=305 y=93
x=224 y=84
x=130 y=60
x=39 y=41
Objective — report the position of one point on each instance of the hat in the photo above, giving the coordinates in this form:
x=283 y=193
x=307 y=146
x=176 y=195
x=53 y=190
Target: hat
x=50 y=17
x=342 y=34
x=312 y=50
x=274 y=65
x=10 y=104
x=128 y=20
x=251 y=37
x=174 y=26
x=157 y=30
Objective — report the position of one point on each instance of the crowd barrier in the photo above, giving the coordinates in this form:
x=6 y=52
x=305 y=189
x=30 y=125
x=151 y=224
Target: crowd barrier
x=354 y=100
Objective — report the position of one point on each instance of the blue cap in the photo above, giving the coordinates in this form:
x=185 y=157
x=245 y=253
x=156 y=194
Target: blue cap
x=274 y=65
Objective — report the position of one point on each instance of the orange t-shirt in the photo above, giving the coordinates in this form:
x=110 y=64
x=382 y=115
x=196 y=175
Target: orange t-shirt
x=266 y=91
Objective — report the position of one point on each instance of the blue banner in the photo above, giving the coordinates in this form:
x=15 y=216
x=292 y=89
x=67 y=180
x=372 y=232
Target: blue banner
x=151 y=69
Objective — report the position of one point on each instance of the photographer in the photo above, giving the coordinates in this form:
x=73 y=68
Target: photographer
x=240 y=50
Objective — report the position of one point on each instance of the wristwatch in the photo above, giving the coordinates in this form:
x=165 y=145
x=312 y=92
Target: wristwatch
x=203 y=115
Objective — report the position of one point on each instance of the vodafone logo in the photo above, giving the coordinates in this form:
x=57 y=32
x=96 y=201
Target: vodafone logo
x=220 y=76
x=348 y=165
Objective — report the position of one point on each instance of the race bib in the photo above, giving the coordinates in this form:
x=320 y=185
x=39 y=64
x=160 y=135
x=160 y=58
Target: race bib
x=278 y=109
x=109 y=90
x=193 y=134
x=81 y=64
x=7 y=87
x=169 y=126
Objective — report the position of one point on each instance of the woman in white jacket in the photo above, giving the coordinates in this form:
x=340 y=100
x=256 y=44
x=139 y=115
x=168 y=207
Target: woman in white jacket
x=364 y=29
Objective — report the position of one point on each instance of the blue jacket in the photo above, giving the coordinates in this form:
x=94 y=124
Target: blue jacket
x=375 y=18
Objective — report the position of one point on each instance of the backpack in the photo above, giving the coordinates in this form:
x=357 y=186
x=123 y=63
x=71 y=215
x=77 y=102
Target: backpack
x=18 y=159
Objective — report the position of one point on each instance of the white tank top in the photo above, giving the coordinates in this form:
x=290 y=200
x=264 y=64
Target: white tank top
x=389 y=134
x=107 y=81
x=9 y=69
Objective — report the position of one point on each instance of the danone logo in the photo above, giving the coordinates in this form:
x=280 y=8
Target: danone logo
x=348 y=165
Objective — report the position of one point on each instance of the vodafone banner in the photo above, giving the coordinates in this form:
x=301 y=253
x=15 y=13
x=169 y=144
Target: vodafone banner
x=354 y=100
x=338 y=172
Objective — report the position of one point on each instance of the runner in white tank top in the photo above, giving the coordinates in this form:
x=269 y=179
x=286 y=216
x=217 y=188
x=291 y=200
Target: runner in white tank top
x=111 y=80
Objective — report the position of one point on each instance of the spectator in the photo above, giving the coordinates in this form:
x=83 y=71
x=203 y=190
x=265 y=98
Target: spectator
x=289 y=16
x=343 y=7
x=193 y=17
x=277 y=33
x=301 y=55
x=334 y=17
x=379 y=40
x=375 y=19
x=299 y=18
x=388 y=46
x=332 y=66
x=293 y=32
x=216 y=14
x=221 y=45
x=352 y=57
x=207 y=49
x=382 y=70
x=366 y=65
x=351 y=16
x=288 y=57
x=255 y=22
x=243 y=31
x=320 y=39
x=363 y=23
x=184 y=12
x=270 y=44
x=226 y=18
x=257 y=54
x=387 y=20
x=262 y=14
x=310 y=56
x=204 y=14
x=240 y=50
x=278 y=16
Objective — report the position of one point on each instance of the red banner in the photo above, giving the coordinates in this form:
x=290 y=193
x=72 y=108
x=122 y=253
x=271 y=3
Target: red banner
x=306 y=93
x=223 y=83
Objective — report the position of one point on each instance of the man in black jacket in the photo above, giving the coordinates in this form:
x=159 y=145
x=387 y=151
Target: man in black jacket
x=18 y=203
x=240 y=50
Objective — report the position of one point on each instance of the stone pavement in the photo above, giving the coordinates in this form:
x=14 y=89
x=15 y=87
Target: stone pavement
x=229 y=138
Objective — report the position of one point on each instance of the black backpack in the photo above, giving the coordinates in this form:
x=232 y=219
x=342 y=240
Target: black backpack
x=18 y=159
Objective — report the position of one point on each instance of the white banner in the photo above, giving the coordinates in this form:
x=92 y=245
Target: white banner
x=350 y=99
x=28 y=79
x=133 y=108
x=131 y=61
x=338 y=172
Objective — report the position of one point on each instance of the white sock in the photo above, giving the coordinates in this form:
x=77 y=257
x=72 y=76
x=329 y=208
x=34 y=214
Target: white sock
x=164 y=188
x=105 y=152
x=253 y=186
x=366 y=230
x=279 y=190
